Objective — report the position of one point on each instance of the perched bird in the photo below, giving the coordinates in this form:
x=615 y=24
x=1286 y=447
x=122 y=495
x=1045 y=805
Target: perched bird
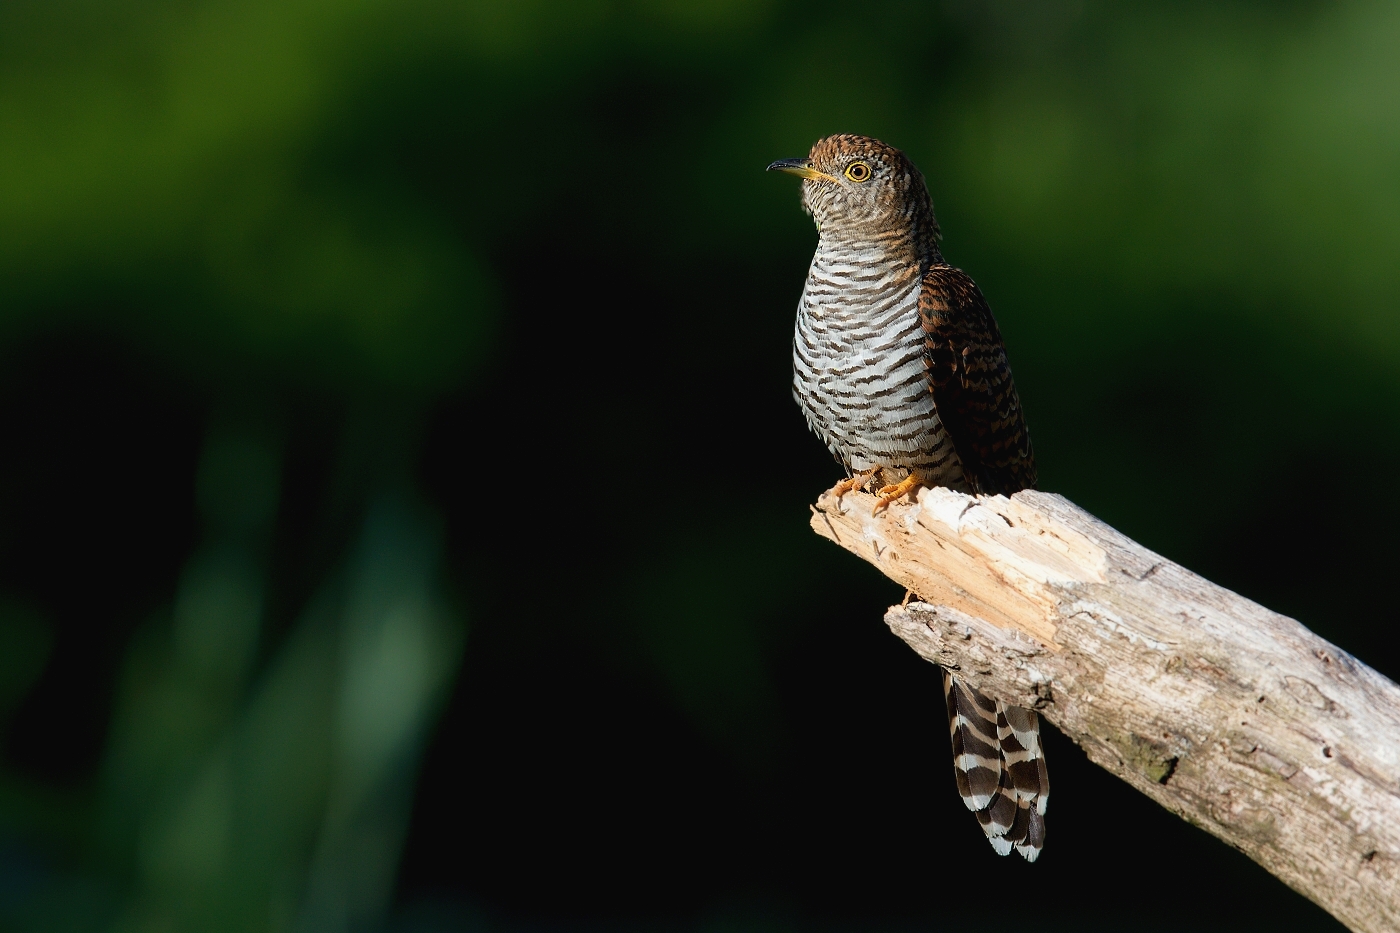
x=899 y=367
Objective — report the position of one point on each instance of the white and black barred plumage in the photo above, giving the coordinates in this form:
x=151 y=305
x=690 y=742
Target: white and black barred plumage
x=899 y=367
x=858 y=368
x=999 y=767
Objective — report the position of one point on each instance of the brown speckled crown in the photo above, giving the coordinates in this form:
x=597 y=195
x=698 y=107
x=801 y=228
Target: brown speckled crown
x=893 y=207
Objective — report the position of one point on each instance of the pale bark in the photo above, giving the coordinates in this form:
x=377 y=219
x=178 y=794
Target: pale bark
x=1233 y=717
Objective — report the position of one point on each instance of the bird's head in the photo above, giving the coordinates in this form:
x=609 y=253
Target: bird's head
x=859 y=187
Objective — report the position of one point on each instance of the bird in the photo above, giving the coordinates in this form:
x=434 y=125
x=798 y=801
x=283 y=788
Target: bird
x=898 y=365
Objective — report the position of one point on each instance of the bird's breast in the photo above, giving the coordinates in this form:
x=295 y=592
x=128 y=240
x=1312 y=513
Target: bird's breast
x=858 y=367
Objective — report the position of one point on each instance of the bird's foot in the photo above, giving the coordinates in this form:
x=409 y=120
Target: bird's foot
x=889 y=494
x=853 y=483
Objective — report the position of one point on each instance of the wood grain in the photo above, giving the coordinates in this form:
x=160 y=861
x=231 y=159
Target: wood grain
x=1235 y=718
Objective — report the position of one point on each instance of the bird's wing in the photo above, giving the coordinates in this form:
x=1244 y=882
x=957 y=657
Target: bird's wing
x=971 y=384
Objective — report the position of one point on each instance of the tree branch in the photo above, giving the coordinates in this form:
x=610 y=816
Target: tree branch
x=1233 y=717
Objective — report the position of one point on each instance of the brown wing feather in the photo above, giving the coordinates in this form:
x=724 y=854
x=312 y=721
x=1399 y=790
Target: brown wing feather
x=972 y=385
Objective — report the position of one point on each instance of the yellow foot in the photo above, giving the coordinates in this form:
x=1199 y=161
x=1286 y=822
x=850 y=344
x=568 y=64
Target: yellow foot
x=852 y=483
x=888 y=494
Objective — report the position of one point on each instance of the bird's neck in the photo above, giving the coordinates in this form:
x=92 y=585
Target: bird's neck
x=906 y=238
x=909 y=249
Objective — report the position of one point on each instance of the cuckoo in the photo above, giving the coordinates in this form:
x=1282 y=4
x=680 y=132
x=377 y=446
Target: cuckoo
x=899 y=367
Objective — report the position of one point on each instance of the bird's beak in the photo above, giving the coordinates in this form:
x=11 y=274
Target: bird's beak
x=802 y=168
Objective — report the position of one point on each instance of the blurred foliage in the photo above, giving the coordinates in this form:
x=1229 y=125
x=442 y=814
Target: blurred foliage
x=310 y=311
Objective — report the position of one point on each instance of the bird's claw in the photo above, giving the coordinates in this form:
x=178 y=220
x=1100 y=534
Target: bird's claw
x=889 y=494
x=853 y=483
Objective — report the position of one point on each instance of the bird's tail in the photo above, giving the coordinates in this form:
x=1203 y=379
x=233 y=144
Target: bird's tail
x=999 y=766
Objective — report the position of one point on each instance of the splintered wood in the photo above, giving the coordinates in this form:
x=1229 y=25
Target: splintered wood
x=1233 y=717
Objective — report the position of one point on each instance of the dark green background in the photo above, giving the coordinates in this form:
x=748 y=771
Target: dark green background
x=403 y=514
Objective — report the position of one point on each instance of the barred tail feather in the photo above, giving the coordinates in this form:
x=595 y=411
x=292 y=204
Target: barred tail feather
x=999 y=767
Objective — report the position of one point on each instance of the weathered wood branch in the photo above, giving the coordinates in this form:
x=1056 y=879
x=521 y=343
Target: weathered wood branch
x=1233 y=717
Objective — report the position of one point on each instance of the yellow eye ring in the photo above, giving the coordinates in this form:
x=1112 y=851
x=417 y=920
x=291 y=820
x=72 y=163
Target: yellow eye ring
x=858 y=172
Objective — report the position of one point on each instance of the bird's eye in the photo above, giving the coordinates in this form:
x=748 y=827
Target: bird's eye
x=858 y=171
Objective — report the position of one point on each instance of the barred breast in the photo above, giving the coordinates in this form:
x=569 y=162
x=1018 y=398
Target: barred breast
x=858 y=366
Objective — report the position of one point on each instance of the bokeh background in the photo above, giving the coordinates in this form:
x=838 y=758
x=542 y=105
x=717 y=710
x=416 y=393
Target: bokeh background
x=403 y=513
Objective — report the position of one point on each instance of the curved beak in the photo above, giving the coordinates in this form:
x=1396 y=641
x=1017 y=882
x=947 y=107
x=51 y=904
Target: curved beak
x=802 y=168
